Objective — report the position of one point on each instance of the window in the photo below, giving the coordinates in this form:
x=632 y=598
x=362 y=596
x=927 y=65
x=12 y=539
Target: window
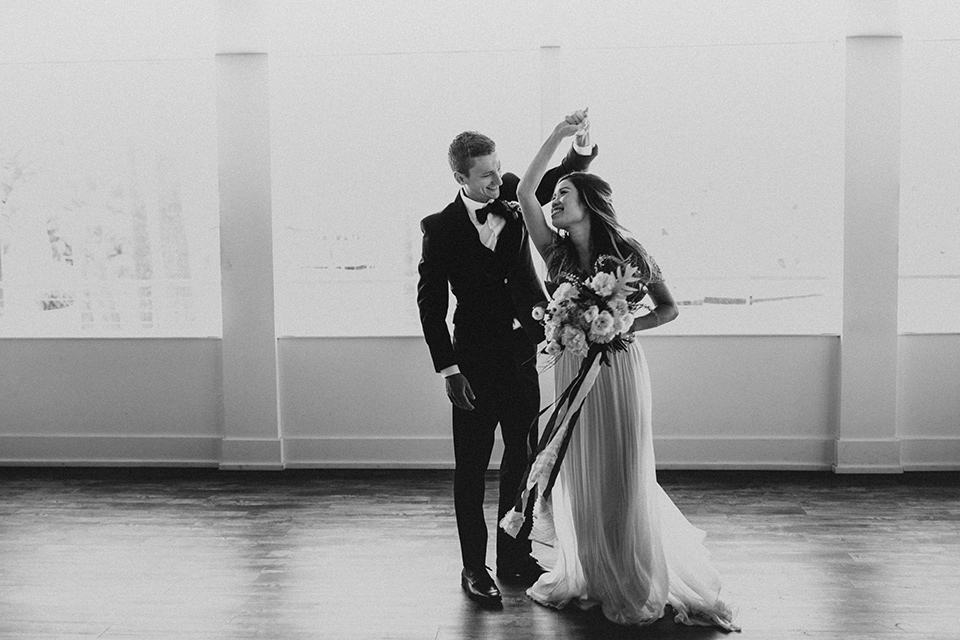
x=721 y=134
x=929 y=295
x=108 y=185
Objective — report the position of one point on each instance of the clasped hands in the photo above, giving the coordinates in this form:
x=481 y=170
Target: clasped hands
x=577 y=123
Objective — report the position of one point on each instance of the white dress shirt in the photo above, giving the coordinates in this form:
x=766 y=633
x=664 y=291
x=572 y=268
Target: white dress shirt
x=489 y=230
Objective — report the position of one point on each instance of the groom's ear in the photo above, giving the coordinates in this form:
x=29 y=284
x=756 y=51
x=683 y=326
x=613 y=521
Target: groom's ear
x=459 y=177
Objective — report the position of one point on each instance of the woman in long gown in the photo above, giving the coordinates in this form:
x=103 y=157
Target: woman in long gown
x=620 y=542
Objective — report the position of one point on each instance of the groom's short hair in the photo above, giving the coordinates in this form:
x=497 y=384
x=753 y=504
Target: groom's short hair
x=467 y=146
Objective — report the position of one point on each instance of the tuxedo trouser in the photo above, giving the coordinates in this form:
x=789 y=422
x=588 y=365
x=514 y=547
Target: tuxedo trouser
x=507 y=393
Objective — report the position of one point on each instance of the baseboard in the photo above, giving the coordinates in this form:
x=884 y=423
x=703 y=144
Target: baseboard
x=744 y=453
x=788 y=454
x=868 y=455
x=361 y=453
x=109 y=451
x=812 y=454
x=930 y=454
x=252 y=454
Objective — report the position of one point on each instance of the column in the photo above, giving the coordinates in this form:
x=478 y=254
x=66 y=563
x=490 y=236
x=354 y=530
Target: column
x=251 y=435
x=867 y=439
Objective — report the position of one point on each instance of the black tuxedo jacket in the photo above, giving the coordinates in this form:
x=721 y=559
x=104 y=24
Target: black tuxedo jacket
x=491 y=287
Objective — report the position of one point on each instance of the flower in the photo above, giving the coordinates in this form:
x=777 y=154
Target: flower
x=538 y=313
x=624 y=322
x=591 y=313
x=511 y=209
x=619 y=306
x=551 y=331
x=603 y=283
x=512 y=522
x=574 y=339
x=566 y=291
x=602 y=329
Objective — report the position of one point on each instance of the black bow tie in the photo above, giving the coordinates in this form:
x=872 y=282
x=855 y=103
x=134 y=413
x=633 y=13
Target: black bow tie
x=484 y=211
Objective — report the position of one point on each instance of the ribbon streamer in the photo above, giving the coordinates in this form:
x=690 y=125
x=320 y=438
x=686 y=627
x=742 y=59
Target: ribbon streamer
x=542 y=472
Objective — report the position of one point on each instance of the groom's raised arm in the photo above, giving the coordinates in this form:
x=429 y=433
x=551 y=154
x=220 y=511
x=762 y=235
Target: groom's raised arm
x=577 y=159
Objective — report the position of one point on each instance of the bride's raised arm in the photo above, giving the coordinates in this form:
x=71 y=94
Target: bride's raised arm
x=537 y=226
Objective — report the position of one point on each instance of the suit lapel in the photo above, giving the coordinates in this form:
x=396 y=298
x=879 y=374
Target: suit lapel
x=461 y=218
x=461 y=226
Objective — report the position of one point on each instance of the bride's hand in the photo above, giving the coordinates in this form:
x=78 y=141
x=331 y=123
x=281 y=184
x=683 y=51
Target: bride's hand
x=565 y=129
x=577 y=117
x=575 y=123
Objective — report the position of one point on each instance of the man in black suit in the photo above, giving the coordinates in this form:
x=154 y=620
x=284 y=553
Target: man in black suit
x=478 y=246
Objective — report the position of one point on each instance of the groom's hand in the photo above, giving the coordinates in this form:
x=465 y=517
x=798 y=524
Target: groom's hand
x=577 y=123
x=459 y=391
x=581 y=118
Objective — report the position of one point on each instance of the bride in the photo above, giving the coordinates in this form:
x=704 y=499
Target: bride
x=620 y=542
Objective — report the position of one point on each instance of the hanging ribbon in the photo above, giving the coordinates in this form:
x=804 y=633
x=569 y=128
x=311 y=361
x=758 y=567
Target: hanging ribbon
x=542 y=472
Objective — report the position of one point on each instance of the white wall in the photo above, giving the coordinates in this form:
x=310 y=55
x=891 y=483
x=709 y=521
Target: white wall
x=719 y=402
x=757 y=402
x=928 y=401
x=110 y=402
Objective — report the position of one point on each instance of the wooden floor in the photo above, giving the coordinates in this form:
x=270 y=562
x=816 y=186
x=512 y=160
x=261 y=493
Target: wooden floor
x=191 y=554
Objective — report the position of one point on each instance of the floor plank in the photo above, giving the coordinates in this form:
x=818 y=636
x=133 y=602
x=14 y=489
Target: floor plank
x=200 y=554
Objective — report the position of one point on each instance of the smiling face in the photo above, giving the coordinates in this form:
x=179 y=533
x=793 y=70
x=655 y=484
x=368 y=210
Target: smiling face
x=566 y=209
x=482 y=182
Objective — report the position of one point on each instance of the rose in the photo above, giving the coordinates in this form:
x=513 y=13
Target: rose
x=511 y=208
x=553 y=348
x=602 y=329
x=619 y=306
x=551 y=330
x=575 y=340
x=566 y=291
x=603 y=283
x=591 y=313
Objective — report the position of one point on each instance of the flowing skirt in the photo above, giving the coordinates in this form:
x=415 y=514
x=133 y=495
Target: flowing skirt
x=619 y=541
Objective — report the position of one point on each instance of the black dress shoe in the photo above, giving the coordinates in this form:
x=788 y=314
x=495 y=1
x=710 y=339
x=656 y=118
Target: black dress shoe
x=480 y=586
x=525 y=571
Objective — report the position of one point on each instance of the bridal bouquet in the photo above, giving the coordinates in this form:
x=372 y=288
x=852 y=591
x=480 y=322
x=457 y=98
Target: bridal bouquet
x=591 y=312
x=589 y=317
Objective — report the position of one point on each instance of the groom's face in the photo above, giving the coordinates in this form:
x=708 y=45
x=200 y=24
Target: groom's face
x=482 y=182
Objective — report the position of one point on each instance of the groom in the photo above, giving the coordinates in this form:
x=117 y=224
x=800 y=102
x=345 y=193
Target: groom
x=478 y=246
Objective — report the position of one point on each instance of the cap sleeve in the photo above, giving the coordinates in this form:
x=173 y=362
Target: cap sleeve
x=648 y=270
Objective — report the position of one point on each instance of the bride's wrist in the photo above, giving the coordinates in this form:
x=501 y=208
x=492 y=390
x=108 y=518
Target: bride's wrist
x=646 y=321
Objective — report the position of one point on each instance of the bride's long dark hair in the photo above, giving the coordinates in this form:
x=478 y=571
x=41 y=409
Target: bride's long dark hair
x=607 y=235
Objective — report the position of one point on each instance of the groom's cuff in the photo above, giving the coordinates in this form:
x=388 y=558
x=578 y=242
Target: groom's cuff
x=449 y=371
x=584 y=151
